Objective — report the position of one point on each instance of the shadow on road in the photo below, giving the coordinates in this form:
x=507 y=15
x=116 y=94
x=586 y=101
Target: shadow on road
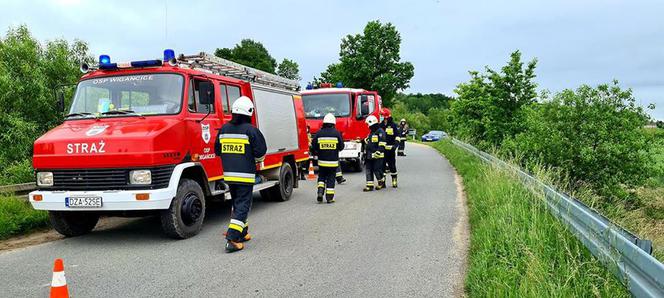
x=146 y=230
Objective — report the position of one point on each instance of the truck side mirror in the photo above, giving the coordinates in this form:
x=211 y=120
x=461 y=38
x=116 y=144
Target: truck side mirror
x=61 y=100
x=206 y=93
x=362 y=107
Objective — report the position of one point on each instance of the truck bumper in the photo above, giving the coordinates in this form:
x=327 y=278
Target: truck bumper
x=350 y=155
x=111 y=200
x=116 y=200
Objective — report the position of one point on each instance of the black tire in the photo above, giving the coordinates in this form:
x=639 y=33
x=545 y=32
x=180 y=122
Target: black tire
x=73 y=223
x=184 y=218
x=282 y=191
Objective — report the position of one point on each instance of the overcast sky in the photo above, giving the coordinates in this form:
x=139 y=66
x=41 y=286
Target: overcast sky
x=575 y=42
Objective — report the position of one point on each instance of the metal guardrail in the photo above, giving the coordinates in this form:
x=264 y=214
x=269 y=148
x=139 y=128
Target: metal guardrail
x=626 y=255
x=20 y=190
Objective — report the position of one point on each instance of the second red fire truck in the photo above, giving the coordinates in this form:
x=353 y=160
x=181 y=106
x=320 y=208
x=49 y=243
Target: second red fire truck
x=350 y=106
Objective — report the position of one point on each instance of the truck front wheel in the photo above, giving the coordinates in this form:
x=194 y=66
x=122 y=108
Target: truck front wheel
x=184 y=218
x=73 y=223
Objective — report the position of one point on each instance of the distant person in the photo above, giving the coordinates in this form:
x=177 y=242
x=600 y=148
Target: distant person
x=241 y=146
x=391 y=144
x=403 y=136
x=326 y=144
x=374 y=152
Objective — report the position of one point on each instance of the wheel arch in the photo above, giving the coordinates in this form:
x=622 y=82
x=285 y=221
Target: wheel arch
x=196 y=172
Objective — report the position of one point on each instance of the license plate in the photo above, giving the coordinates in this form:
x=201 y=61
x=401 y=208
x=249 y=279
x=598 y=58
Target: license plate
x=83 y=202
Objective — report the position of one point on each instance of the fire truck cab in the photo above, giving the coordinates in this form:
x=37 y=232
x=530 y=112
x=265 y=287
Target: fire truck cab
x=139 y=140
x=351 y=107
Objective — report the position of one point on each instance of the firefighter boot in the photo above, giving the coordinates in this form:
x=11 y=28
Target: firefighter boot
x=321 y=192
x=233 y=246
x=341 y=179
x=329 y=198
x=394 y=181
x=245 y=233
x=381 y=184
x=369 y=187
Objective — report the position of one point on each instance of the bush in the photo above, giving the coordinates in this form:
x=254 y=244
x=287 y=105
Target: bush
x=17 y=172
x=594 y=135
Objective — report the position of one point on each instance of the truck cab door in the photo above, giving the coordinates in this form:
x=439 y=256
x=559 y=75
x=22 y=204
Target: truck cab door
x=201 y=129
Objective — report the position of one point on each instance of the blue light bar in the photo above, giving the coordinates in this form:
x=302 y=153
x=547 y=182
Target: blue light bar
x=146 y=63
x=104 y=59
x=310 y=87
x=108 y=66
x=340 y=84
x=169 y=54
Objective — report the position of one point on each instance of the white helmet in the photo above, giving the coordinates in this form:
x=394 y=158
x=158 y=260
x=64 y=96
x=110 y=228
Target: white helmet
x=403 y=120
x=330 y=119
x=243 y=106
x=371 y=120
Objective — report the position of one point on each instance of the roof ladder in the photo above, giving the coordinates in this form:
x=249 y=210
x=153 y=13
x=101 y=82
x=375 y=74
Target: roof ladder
x=213 y=64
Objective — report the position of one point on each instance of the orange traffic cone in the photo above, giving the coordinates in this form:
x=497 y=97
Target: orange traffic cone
x=312 y=175
x=59 y=283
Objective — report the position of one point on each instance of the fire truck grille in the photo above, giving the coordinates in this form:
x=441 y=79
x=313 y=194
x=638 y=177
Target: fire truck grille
x=107 y=179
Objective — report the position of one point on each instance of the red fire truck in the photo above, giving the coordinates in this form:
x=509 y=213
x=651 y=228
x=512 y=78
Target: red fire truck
x=139 y=140
x=350 y=106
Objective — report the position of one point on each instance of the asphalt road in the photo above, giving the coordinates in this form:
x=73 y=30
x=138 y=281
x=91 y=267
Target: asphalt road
x=408 y=241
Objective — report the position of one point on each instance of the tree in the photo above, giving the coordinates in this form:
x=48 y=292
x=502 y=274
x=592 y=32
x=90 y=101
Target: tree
x=371 y=60
x=250 y=53
x=289 y=69
x=490 y=106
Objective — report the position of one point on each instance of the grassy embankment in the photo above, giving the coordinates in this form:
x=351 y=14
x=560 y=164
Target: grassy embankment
x=517 y=248
x=18 y=217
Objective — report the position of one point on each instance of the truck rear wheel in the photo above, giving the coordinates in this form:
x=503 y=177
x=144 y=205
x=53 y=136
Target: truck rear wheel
x=73 y=223
x=184 y=218
x=282 y=191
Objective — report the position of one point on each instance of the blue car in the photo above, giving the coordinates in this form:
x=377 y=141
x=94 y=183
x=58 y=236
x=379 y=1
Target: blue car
x=434 y=135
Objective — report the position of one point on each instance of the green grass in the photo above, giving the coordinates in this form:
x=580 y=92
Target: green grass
x=517 y=248
x=18 y=217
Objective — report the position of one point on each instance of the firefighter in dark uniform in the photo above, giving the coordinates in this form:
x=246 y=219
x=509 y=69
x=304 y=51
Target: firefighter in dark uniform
x=374 y=152
x=241 y=146
x=403 y=136
x=391 y=144
x=326 y=144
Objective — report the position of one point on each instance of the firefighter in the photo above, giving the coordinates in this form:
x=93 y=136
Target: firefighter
x=391 y=144
x=241 y=146
x=326 y=144
x=374 y=152
x=403 y=136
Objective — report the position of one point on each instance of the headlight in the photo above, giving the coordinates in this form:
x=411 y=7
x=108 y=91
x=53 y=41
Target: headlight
x=44 y=178
x=140 y=177
x=351 y=145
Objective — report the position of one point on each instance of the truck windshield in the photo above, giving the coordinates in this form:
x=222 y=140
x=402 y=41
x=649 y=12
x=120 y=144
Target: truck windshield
x=144 y=94
x=318 y=105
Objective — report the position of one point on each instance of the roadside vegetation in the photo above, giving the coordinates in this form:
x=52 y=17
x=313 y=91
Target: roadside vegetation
x=517 y=248
x=17 y=217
